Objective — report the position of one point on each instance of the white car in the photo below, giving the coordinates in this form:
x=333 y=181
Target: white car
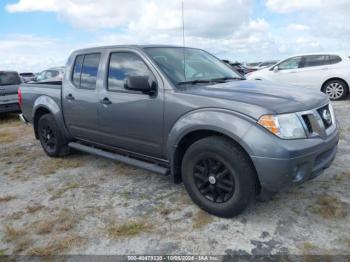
x=329 y=73
x=50 y=75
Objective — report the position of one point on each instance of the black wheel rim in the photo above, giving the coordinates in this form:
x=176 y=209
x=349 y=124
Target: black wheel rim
x=214 y=180
x=48 y=138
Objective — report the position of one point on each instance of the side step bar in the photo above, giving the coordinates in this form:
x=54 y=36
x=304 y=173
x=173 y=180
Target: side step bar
x=127 y=160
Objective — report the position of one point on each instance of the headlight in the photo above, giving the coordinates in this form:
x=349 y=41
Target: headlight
x=286 y=126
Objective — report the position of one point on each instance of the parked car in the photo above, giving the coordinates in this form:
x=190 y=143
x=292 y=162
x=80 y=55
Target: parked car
x=329 y=73
x=9 y=83
x=27 y=77
x=266 y=64
x=240 y=68
x=50 y=75
x=226 y=138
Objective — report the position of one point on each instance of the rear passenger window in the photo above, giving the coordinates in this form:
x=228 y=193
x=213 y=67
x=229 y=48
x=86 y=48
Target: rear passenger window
x=122 y=65
x=89 y=71
x=77 y=70
x=334 y=59
x=315 y=60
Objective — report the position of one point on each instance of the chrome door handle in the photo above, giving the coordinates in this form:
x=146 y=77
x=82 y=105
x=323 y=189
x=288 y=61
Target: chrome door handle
x=70 y=97
x=105 y=101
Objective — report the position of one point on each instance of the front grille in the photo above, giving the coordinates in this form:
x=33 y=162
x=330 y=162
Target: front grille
x=326 y=116
x=307 y=123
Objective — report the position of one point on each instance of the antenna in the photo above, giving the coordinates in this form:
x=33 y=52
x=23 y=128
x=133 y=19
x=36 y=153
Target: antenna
x=183 y=36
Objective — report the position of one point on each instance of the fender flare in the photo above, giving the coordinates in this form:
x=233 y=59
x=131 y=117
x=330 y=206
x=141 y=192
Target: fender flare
x=50 y=105
x=228 y=123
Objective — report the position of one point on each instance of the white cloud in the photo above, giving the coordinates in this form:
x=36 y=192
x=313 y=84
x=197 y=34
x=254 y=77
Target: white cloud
x=204 y=18
x=298 y=27
x=223 y=27
x=31 y=53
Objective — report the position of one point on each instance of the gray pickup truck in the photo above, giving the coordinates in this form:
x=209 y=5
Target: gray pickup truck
x=182 y=112
x=9 y=83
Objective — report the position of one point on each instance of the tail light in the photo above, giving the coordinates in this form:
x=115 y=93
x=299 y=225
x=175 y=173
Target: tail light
x=20 y=98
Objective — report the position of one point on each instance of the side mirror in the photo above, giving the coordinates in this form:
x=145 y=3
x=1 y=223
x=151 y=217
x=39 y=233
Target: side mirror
x=141 y=84
x=275 y=69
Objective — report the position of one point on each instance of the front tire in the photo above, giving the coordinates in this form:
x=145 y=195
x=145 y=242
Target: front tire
x=51 y=138
x=219 y=176
x=336 y=89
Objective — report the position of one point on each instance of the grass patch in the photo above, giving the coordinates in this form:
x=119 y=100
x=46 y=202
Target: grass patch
x=60 y=192
x=307 y=249
x=52 y=165
x=16 y=215
x=7 y=137
x=12 y=233
x=34 y=208
x=329 y=207
x=128 y=229
x=2 y=252
x=201 y=219
x=57 y=246
x=63 y=221
x=22 y=244
x=6 y=198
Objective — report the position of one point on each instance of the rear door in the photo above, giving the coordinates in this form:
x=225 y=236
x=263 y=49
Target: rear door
x=314 y=70
x=9 y=83
x=130 y=120
x=80 y=96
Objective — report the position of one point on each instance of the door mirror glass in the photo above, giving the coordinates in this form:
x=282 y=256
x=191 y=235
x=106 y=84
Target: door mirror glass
x=139 y=83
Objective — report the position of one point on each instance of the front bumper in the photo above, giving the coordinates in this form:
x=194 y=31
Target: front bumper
x=305 y=163
x=10 y=108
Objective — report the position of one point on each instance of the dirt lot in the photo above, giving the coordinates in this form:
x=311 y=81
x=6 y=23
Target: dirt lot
x=84 y=204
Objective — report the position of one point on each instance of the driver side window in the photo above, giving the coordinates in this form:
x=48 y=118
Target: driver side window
x=292 y=63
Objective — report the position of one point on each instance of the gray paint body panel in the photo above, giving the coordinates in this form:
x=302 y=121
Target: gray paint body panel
x=154 y=125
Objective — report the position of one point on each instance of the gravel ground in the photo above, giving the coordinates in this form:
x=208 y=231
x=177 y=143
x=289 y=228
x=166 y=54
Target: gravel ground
x=84 y=204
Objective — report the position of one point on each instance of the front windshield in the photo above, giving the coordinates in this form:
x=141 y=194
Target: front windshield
x=183 y=65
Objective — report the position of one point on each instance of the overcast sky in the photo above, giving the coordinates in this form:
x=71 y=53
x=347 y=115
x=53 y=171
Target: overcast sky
x=35 y=34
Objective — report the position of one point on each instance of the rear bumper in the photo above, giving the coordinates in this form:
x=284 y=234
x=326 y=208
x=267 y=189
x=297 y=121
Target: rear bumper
x=10 y=108
x=278 y=173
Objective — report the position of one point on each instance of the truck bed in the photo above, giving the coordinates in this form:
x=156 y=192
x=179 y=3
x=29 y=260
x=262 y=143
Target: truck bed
x=34 y=92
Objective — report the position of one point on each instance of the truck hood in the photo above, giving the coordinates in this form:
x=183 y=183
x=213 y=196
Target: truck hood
x=278 y=98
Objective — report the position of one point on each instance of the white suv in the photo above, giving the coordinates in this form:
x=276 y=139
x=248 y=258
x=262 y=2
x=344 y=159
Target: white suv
x=329 y=73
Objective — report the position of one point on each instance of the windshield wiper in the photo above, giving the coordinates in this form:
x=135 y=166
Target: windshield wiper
x=193 y=82
x=224 y=79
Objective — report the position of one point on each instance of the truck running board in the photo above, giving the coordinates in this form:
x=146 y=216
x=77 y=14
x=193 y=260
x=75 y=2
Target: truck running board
x=124 y=159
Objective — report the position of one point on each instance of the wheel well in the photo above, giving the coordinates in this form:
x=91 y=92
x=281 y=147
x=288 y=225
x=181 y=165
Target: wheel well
x=334 y=78
x=193 y=137
x=38 y=114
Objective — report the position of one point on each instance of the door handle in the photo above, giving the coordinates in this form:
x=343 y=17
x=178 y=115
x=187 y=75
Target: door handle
x=324 y=68
x=105 y=101
x=70 y=97
x=293 y=72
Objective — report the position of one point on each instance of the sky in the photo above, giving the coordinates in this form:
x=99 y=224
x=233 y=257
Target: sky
x=37 y=34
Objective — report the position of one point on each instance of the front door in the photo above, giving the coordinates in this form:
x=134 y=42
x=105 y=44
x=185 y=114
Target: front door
x=131 y=120
x=80 y=97
x=288 y=71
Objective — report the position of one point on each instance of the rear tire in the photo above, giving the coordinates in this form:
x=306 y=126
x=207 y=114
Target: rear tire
x=218 y=176
x=336 y=89
x=51 y=138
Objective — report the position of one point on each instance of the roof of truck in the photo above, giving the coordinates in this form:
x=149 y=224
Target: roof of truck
x=123 y=46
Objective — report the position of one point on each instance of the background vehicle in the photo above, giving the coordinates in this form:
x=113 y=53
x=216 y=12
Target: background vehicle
x=227 y=139
x=50 y=75
x=266 y=64
x=27 y=77
x=9 y=83
x=240 y=68
x=329 y=73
